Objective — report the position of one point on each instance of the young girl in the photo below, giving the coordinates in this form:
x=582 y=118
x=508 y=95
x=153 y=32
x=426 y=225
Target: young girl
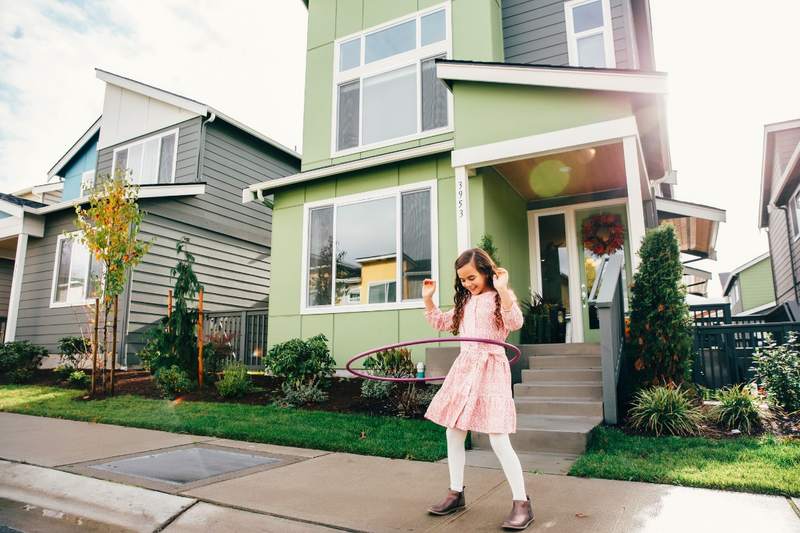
x=476 y=395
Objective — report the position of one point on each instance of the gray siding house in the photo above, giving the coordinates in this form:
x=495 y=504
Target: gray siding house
x=191 y=162
x=779 y=210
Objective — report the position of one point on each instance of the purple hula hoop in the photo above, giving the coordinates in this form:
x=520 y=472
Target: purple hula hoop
x=517 y=355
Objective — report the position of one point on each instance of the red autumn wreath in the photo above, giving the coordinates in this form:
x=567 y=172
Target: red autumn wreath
x=603 y=234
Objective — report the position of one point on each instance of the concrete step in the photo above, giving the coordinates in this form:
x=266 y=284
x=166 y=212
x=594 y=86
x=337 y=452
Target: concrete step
x=561 y=389
x=564 y=361
x=543 y=375
x=558 y=406
x=569 y=348
x=546 y=433
x=538 y=462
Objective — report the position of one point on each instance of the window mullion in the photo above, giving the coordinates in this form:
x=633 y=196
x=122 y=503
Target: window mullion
x=333 y=257
x=398 y=295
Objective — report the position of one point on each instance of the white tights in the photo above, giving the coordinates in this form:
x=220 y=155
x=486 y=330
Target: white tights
x=456 y=458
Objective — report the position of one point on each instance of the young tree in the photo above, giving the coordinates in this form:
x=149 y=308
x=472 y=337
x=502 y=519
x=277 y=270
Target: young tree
x=110 y=226
x=661 y=333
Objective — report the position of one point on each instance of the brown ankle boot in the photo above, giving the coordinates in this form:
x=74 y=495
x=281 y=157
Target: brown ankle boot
x=451 y=503
x=521 y=514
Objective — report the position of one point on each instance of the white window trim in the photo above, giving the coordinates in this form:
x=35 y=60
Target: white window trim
x=53 y=303
x=362 y=197
x=413 y=57
x=606 y=29
x=794 y=222
x=143 y=140
x=87 y=181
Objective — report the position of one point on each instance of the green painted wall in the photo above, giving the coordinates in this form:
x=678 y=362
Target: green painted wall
x=496 y=209
x=353 y=332
x=491 y=112
x=477 y=35
x=756 y=285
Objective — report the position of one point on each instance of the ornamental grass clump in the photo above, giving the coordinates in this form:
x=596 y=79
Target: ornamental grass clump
x=660 y=327
x=665 y=410
x=738 y=409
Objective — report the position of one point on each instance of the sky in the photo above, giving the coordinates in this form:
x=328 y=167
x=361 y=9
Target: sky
x=731 y=71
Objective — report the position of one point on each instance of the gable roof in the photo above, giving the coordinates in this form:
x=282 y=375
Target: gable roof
x=729 y=278
x=774 y=188
x=75 y=148
x=188 y=104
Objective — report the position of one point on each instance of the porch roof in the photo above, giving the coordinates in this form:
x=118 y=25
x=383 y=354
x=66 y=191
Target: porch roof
x=697 y=225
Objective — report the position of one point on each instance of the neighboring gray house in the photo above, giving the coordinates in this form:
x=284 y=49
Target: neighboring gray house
x=191 y=162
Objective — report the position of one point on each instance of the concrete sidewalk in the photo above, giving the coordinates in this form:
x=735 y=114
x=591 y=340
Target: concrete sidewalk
x=45 y=461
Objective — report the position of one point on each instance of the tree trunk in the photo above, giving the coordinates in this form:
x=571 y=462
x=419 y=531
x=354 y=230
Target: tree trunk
x=114 y=343
x=94 y=345
x=105 y=343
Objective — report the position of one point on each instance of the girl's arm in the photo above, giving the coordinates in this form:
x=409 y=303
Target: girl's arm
x=509 y=307
x=442 y=321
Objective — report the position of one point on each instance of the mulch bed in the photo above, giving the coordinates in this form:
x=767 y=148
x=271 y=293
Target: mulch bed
x=344 y=394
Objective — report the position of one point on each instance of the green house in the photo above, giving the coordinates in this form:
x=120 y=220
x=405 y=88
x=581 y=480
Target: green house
x=750 y=287
x=430 y=124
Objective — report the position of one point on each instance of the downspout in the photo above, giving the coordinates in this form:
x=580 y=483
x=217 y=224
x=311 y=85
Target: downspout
x=791 y=253
x=202 y=152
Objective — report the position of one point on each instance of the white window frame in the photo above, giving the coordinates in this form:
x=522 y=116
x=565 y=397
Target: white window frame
x=386 y=283
x=377 y=194
x=606 y=29
x=53 y=304
x=794 y=220
x=412 y=57
x=87 y=181
x=143 y=140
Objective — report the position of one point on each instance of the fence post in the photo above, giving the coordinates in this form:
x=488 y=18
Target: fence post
x=200 y=339
x=242 y=337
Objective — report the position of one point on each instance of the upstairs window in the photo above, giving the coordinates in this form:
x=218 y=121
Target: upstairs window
x=794 y=213
x=150 y=160
x=385 y=85
x=590 y=39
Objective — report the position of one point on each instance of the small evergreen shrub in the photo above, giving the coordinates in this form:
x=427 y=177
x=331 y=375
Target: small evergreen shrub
x=235 y=382
x=19 y=360
x=74 y=351
x=376 y=390
x=660 y=327
x=738 y=409
x=302 y=394
x=305 y=366
x=395 y=363
x=665 y=410
x=79 y=379
x=778 y=369
x=487 y=245
x=173 y=381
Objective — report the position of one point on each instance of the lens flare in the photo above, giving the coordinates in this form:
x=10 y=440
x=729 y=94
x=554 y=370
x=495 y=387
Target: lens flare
x=549 y=178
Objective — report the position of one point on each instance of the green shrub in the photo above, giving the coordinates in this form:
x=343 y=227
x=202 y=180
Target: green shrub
x=63 y=371
x=235 y=382
x=19 y=360
x=395 y=363
x=660 y=328
x=778 y=369
x=376 y=390
x=665 y=410
x=305 y=365
x=738 y=409
x=173 y=381
x=74 y=350
x=79 y=379
x=413 y=400
x=302 y=394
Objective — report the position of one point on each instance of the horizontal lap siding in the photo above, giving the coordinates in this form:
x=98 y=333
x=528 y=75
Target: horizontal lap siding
x=780 y=257
x=229 y=239
x=6 y=273
x=535 y=32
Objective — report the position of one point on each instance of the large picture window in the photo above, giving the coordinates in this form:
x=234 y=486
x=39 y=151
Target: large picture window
x=369 y=250
x=76 y=274
x=590 y=37
x=385 y=84
x=151 y=160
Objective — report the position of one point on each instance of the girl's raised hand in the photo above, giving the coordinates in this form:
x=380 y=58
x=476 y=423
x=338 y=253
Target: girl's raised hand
x=428 y=288
x=500 y=279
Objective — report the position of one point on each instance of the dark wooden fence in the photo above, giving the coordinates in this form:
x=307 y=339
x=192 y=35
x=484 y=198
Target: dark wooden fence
x=724 y=345
x=245 y=333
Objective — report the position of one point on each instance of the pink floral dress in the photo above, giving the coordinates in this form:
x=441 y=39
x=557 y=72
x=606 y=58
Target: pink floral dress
x=476 y=395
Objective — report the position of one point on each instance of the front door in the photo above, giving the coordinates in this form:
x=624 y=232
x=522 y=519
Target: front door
x=563 y=271
x=589 y=263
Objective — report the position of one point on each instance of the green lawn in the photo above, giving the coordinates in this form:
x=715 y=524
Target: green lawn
x=765 y=465
x=366 y=435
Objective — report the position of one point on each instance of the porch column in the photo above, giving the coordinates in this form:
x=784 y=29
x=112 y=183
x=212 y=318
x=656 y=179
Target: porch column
x=635 y=206
x=16 y=287
x=462 y=208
